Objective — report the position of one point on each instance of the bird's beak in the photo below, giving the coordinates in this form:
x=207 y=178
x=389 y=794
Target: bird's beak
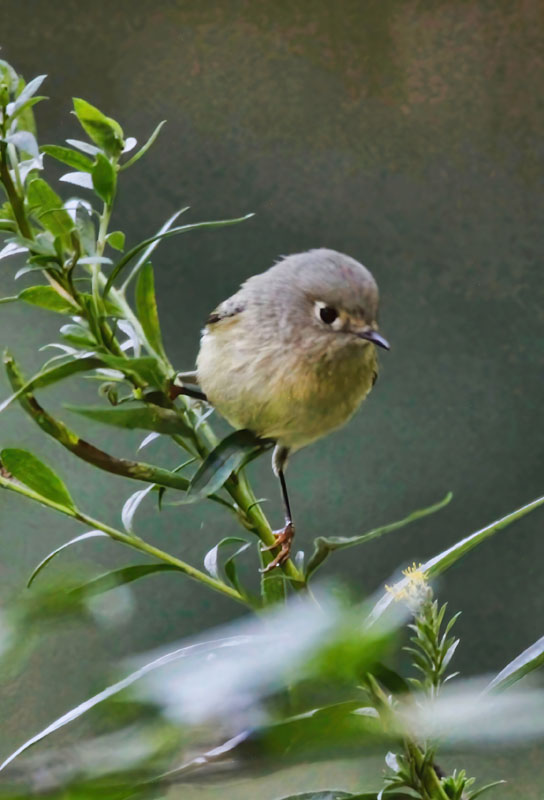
x=374 y=337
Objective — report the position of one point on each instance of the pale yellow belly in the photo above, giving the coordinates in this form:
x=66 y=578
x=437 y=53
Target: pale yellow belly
x=279 y=395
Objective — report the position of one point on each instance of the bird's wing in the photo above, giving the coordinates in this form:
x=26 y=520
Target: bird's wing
x=228 y=308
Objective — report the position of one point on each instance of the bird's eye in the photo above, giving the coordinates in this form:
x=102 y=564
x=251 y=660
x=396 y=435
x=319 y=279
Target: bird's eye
x=328 y=314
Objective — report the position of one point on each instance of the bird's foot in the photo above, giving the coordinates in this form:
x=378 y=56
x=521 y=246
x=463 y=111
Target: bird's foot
x=283 y=540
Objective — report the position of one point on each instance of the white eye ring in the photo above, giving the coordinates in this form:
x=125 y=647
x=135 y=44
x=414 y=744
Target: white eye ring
x=336 y=322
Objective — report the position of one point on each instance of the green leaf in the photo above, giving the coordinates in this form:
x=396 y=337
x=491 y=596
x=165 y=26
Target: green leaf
x=120 y=577
x=53 y=553
x=146 y=308
x=78 y=335
x=143 y=150
x=116 y=239
x=144 y=256
x=68 y=156
x=46 y=206
x=47 y=297
x=26 y=468
x=102 y=130
x=229 y=455
x=325 y=545
x=104 y=179
x=212 y=565
x=146 y=368
x=52 y=375
x=486 y=788
x=159 y=236
x=147 y=417
x=443 y=561
x=532 y=658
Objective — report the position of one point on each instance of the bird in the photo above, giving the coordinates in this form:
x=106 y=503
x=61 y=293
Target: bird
x=291 y=356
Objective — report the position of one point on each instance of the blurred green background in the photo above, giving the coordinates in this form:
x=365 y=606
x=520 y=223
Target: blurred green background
x=407 y=133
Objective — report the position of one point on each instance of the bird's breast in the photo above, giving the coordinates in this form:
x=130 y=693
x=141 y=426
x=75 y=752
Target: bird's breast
x=279 y=390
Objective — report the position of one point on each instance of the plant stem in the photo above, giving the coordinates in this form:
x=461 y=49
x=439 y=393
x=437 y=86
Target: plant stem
x=14 y=199
x=125 y=538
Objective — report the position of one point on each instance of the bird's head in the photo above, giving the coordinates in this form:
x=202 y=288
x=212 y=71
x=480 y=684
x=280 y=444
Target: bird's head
x=328 y=296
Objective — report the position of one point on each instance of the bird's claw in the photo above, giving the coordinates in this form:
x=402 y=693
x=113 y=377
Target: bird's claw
x=283 y=540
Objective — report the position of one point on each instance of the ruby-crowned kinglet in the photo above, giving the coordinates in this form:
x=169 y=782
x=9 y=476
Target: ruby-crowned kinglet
x=291 y=355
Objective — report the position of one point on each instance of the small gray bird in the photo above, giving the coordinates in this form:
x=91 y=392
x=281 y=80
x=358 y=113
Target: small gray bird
x=291 y=355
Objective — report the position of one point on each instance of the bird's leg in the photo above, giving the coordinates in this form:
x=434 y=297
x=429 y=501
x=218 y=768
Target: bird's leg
x=284 y=537
x=176 y=389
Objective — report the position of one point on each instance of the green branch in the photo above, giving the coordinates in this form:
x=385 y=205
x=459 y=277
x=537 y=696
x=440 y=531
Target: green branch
x=133 y=541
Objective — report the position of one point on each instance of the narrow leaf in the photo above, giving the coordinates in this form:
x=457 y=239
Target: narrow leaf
x=146 y=308
x=102 y=130
x=159 y=236
x=143 y=150
x=229 y=455
x=443 y=561
x=325 y=545
x=105 y=694
x=26 y=468
x=53 y=553
x=145 y=254
x=486 y=788
x=67 y=156
x=120 y=577
x=131 y=506
x=324 y=794
x=146 y=368
x=147 y=439
x=211 y=559
x=147 y=417
x=532 y=658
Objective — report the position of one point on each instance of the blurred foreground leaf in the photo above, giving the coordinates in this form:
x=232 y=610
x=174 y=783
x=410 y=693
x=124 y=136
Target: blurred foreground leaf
x=226 y=679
